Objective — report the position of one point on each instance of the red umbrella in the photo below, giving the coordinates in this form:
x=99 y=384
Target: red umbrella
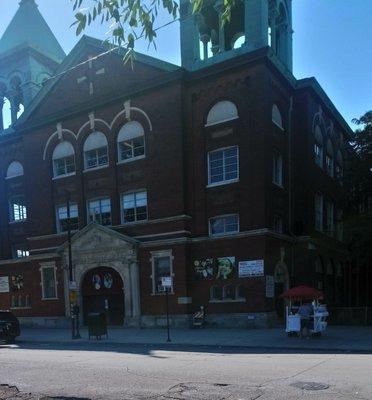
x=302 y=293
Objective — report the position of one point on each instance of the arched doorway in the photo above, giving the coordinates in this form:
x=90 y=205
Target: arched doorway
x=102 y=291
x=281 y=280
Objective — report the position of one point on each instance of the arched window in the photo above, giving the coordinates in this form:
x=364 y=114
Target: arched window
x=240 y=292
x=222 y=111
x=95 y=150
x=339 y=166
x=21 y=110
x=63 y=159
x=238 y=40
x=216 y=293
x=28 y=301
x=15 y=169
x=276 y=117
x=131 y=142
x=7 y=114
x=229 y=292
x=329 y=158
x=318 y=146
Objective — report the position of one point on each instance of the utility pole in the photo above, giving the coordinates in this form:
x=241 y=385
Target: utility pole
x=74 y=308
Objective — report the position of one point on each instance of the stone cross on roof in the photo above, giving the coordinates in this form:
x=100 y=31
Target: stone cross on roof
x=91 y=76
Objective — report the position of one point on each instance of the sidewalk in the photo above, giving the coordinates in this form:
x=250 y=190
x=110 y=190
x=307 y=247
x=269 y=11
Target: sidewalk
x=352 y=339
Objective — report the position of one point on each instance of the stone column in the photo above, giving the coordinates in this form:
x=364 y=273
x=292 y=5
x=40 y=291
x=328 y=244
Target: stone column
x=135 y=289
x=256 y=23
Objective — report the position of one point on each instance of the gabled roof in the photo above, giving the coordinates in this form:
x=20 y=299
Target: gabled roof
x=29 y=27
x=93 y=226
x=73 y=59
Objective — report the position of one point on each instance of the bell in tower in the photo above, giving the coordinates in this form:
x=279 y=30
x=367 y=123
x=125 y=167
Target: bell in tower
x=254 y=24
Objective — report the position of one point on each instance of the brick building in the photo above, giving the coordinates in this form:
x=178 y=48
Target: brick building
x=225 y=173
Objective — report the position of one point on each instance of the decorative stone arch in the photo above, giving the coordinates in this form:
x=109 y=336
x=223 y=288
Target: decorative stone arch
x=61 y=134
x=125 y=115
x=221 y=111
x=97 y=246
x=93 y=124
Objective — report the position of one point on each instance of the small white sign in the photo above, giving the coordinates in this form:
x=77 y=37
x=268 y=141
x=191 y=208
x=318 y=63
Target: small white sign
x=4 y=284
x=270 y=287
x=251 y=268
x=73 y=285
x=166 y=281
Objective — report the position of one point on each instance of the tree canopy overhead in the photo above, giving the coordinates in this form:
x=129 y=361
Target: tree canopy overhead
x=130 y=20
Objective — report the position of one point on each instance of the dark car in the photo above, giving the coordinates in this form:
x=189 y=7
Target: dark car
x=9 y=327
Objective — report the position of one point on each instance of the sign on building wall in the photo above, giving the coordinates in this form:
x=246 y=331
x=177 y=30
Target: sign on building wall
x=204 y=269
x=4 y=284
x=251 y=268
x=270 y=287
x=225 y=267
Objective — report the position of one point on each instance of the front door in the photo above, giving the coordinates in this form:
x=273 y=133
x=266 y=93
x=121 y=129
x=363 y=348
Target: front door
x=102 y=291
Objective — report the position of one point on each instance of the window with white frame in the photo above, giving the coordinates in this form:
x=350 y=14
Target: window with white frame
x=48 y=282
x=318 y=146
x=222 y=111
x=223 y=165
x=17 y=208
x=162 y=267
x=330 y=218
x=18 y=252
x=318 y=208
x=134 y=206
x=14 y=170
x=99 y=211
x=95 y=150
x=277 y=169
x=62 y=217
x=224 y=225
x=63 y=159
x=339 y=166
x=276 y=117
x=329 y=159
x=131 y=142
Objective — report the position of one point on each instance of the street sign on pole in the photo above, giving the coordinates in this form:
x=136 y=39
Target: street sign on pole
x=166 y=283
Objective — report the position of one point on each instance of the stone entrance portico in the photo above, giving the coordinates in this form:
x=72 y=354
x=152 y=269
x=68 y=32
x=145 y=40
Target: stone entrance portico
x=98 y=246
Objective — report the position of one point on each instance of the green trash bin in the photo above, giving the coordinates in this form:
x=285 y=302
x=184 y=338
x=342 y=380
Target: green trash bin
x=97 y=325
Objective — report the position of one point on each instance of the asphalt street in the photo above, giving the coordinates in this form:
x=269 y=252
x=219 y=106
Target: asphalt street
x=114 y=371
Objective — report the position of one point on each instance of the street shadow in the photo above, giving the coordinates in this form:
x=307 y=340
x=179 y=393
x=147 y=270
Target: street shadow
x=150 y=349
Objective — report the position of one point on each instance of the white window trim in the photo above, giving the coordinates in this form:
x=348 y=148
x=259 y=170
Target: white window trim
x=224 y=182
x=13 y=221
x=47 y=266
x=57 y=219
x=158 y=254
x=122 y=207
x=222 y=121
x=120 y=161
x=281 y=170
x=63 y=176
x=225 y=233
x=95 y=168
x=98 y=199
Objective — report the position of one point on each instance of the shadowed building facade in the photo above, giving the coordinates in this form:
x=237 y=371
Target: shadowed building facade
x=225 y=174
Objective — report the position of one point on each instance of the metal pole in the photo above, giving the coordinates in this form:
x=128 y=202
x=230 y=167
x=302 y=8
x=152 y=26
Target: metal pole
x=167 y=302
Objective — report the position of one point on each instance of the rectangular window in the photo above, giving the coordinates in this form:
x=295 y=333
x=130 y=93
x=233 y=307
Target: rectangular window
x=134 y=206
x=100 y=211
x=132 y=148
x=48 y=282
x=224 y=225
x=340 y=225
x=278 y=224
x=329 y=165
x=223 y=165
x=318 y=155
x=277 y=169
x=318 y=208
x=161 y=267
x=20 y=253
x=64 y=166
x=330 y=218
x=96 y=158
x=62 y=220
x=17 y=209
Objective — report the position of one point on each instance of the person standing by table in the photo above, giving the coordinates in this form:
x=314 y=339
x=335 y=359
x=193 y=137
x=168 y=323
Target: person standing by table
x=305 y=311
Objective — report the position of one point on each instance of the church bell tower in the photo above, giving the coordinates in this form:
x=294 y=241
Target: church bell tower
x=29 y=54
x=254 y=24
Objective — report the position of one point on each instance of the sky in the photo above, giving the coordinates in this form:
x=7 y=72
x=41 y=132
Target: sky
x=332 y=41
